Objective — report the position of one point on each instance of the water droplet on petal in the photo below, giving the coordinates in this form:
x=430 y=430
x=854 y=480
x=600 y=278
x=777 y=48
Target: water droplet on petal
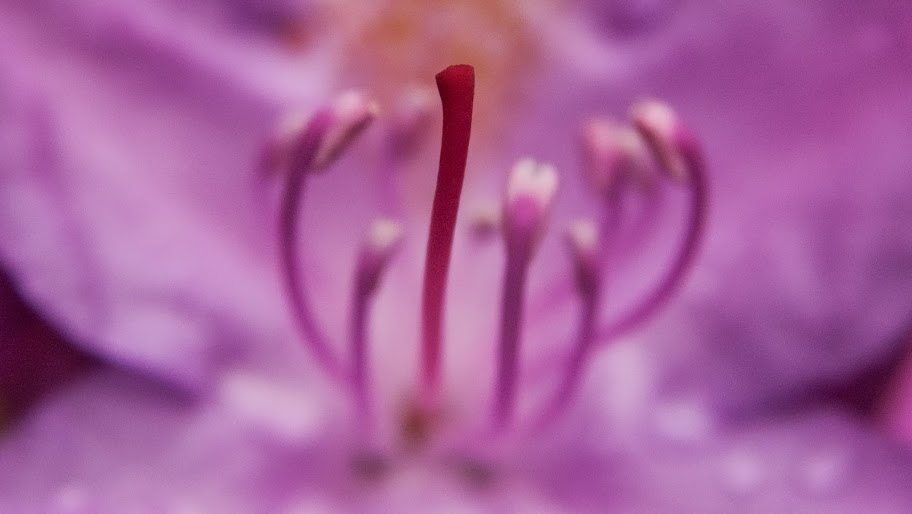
x=311 y=505
x=71 y=498
x=275 y=410
x=683 y=420
x=742 y=472
x=185 y=506
x=824 y=472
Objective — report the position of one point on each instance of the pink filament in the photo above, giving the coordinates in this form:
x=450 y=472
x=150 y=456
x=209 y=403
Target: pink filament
x=360 y=314
x=644 y=309
x=371 y=266
x=302 y=160
x=456 y=85
x=518 y=257
x=575 y=367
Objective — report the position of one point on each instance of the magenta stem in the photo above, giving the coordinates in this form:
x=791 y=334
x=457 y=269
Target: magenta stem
x=305 y=152
x=609 y=238
x=456 y=85
x=514 y=286
x=360 y=314
x=575 y=365
x=646 y=221
x=609 y=228
x=389 y=177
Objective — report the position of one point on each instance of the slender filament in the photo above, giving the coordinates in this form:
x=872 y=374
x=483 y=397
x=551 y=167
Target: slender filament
x=514 y=286
x=585 y=339
x=360 y=314
x=642 y=310
x=665 y=288
x=303 y=158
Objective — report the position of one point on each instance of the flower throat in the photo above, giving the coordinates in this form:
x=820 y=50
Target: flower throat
x=624 y=163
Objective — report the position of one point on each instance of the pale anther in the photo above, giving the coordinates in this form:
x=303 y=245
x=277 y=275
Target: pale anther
x=660 y=125
x=351 y=113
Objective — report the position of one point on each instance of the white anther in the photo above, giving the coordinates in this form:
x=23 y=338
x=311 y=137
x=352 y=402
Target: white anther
x=411 y=122
x=582 y=240
x=530 y=191
x=384 y=235
x=660 y=125
x=383 y=238
x=351 y=113
x=532 y=180
x=485 y=222
x=276 y=153
x=657 y=115
x=292 y=124
x=613 y=154
x=582 y=237
x=418 y=100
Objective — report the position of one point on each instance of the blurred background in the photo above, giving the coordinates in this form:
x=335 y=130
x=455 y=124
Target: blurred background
x=137 y=238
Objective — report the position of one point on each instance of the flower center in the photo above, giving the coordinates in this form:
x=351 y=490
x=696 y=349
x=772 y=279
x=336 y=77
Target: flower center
x=405 y=41
x=631 y=168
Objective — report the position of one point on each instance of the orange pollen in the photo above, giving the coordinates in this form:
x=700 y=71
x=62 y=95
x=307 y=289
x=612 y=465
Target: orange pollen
x=405 y=41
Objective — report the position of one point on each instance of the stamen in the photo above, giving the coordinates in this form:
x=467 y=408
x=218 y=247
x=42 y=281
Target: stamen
x=609 y=229
x=614 y=157
x=352 y=113
x=410 y=123
x=457 y=86
x=672 y=143
x=616 y=162
x=582 y=241
x=485 y=224
x=681 y=157
x=325 y=136
x=529 y=196
x=274 y=158
x=383 y=240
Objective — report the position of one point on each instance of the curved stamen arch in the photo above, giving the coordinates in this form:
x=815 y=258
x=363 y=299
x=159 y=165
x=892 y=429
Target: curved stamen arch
x=333 y=128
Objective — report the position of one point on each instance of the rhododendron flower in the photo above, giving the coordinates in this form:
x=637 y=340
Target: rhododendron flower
x=35 y=358
x=599 y=301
